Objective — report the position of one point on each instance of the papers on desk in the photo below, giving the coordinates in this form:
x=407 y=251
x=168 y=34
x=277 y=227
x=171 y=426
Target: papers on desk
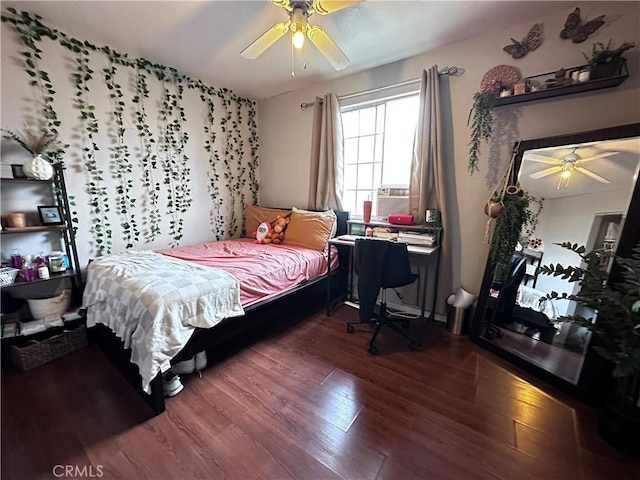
x=353 y=238
x=416 y=238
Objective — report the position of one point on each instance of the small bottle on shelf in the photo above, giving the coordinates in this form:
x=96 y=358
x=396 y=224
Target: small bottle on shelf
x=27 y=271
x=43 y=269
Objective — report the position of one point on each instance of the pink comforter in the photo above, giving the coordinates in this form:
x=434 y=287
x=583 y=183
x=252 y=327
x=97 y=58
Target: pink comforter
x=263 y=270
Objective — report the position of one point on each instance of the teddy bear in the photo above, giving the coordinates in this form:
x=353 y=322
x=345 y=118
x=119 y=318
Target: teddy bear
x=276 y=234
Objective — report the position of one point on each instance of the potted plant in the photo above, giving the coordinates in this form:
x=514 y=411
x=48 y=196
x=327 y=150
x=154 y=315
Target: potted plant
x=509 y=223
x=481 y=117
x=606 y=61
x=617 y=335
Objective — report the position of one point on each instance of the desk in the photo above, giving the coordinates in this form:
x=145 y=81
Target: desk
x=420 y=251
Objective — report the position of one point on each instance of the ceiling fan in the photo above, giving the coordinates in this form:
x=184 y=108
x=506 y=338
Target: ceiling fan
x=298 y=24
x=566 y=165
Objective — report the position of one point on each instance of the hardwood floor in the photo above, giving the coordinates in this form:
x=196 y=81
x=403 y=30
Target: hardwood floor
x=307 y=402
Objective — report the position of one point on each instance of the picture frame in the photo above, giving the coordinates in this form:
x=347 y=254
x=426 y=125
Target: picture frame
x=50 y=215
x=17 y=171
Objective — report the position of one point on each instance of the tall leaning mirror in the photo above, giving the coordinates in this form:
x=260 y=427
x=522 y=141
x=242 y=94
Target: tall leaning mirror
x=587 y=184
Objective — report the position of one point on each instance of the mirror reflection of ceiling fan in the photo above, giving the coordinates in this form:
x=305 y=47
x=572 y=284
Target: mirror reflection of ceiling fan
x=298 y=24
x=566 y=165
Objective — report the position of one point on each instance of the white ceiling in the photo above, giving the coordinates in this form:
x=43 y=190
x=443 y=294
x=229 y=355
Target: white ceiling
x=204 y=38
x=620 y=169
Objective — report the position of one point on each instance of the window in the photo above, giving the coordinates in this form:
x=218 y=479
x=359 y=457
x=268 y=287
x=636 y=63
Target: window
x=378 y=146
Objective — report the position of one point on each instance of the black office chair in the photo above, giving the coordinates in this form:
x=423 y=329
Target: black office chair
x=381 y=264
x=506 y=298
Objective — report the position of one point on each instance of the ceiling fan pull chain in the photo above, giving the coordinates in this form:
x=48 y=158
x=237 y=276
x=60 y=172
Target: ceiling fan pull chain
x=304 y=56
x=293 y=60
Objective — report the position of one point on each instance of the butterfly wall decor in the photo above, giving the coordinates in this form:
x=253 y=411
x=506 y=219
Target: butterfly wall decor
x=530 y=42
x=577 y=31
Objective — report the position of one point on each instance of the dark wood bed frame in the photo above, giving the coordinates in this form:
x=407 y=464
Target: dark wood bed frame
x=204 y=339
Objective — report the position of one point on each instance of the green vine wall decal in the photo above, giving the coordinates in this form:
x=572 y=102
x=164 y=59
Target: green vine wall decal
x=121 y=165
x=227 y=159
x=29 y=33
x=182 y=173
x=217 y=220
x=253 y=160
x=172 y=155
x=148 y=159
x=98 y=197
x=238 y=146
x=156 y=176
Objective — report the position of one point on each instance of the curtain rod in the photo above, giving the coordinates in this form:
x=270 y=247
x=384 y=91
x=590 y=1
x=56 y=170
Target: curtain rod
x=450 y=71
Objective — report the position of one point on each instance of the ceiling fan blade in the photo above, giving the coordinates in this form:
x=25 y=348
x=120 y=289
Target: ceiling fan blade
x=541 y=159
x=326 y=46
x=592 y=175
x=545 y=172
x=267 y=39
x=324 y=7
x=283 y=3
x=601 y=155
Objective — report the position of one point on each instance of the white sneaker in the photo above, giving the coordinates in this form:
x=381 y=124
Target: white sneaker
x=185 y=367
x=171 y=386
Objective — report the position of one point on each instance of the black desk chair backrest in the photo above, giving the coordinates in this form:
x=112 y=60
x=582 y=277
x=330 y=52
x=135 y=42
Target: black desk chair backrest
x=380 y=264
x=509 y=291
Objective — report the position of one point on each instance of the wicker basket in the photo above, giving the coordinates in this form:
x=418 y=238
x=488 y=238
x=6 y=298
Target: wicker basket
x=33 y=354
x=8 y=275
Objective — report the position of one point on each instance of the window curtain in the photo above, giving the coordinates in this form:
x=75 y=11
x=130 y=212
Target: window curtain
x=427 y=186
x=327 y=144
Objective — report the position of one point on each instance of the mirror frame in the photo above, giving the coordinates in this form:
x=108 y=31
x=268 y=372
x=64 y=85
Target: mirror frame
x=595 y=373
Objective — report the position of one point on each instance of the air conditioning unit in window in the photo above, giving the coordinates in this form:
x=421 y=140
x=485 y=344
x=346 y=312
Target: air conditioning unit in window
x=392 y=199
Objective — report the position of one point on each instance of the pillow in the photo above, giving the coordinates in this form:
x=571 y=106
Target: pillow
x=310 y=229
x=328 y=213
x=254 y=216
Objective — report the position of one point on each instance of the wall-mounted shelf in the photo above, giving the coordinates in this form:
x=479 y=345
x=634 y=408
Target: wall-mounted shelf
x=570 y=89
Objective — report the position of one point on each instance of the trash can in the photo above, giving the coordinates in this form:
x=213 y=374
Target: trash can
x=458 y=319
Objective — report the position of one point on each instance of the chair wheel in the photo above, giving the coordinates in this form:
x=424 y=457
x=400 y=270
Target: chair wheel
x=413 y=346
x=373 y=350
x=350 y=328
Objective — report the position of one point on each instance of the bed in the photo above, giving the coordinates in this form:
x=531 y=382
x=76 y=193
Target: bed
x=149 y=310
x=532 y=314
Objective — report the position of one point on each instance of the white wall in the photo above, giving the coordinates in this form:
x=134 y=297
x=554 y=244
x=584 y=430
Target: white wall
x=570 y=219
x=285 y=130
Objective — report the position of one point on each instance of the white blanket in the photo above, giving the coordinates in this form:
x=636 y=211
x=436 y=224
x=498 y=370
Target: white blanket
x=154 y=303
x=535 y=300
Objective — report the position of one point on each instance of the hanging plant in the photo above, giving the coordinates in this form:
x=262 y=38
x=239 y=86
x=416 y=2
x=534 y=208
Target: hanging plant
x=482 y=118
x=506 y=234
x=227 y=159
x=174 y=161
x=121 y=166
x=216 y=217
x=148 y=159
x=238 y=148
x=183 y=172
x=98 y=197
x=253 y=145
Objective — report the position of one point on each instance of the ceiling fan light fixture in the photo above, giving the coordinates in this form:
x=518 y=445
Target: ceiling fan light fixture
x=566 y=174
x=298 y=36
